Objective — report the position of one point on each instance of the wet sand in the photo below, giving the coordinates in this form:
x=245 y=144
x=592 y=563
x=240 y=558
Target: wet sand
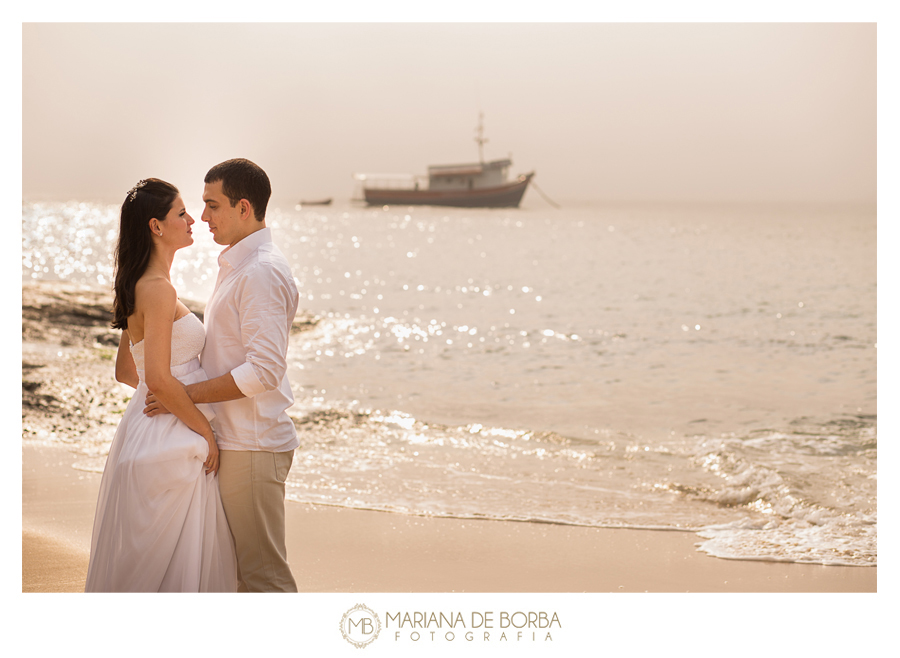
x=335 y=549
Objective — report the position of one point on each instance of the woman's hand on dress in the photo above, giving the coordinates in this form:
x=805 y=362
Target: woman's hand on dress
x=212 y=458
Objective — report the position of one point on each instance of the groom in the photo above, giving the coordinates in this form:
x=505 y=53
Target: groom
x=248 y=321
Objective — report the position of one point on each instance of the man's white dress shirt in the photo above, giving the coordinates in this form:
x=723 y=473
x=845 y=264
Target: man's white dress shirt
x=248 y=320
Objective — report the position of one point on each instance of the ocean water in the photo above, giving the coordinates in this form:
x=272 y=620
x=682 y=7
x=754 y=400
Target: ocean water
x=685 y=367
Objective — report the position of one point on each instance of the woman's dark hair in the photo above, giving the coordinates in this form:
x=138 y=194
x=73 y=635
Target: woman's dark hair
x=148 y=199
x=242 y=179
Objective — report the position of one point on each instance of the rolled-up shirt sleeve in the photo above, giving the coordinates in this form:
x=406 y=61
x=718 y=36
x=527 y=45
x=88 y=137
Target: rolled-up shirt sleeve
x=247 y=381
x=267 y=307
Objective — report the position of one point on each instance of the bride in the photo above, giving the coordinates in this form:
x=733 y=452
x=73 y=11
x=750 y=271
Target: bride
x=159 y=524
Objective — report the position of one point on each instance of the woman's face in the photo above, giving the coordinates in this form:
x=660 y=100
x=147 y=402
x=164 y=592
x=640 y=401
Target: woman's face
x=177 y=227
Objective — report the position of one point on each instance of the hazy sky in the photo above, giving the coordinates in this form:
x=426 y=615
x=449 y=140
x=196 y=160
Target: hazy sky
x=717 y=112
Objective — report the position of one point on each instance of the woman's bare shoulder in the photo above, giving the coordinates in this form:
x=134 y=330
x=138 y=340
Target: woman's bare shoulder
x=154 y=290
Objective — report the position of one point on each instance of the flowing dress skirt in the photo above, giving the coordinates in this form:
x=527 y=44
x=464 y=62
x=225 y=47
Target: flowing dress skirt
x=159 y=524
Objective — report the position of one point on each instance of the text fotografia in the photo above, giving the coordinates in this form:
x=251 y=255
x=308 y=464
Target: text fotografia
x=479 y=626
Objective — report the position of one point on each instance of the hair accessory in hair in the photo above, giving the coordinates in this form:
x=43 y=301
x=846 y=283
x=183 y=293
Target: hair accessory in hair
x=134 y=190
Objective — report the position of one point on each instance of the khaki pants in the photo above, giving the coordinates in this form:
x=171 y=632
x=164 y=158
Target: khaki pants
x=251 y=484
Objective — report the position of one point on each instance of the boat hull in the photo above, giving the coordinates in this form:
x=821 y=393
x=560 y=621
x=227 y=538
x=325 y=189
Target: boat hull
x=502 y=196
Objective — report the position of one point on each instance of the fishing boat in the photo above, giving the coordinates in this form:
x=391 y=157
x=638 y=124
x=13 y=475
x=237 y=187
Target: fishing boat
x=476 y=185
x=317 y=202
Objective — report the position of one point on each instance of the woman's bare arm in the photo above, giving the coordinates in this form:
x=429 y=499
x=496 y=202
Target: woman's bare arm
x=156 y=299
x=126 y=371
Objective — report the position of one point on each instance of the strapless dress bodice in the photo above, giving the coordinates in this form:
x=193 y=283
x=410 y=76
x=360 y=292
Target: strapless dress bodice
x=188 y=336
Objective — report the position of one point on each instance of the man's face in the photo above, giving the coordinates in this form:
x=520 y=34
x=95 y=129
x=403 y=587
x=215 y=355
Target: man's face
x=224 y=221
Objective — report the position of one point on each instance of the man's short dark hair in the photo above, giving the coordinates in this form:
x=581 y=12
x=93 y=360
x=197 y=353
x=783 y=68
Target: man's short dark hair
x=242 y=179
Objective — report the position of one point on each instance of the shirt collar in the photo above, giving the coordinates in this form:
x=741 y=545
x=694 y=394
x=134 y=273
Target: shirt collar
x=234 y=255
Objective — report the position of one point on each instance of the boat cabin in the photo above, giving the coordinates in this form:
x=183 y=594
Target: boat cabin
x=468 y=176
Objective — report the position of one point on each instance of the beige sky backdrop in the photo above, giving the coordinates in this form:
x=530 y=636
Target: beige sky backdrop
x=658 y=112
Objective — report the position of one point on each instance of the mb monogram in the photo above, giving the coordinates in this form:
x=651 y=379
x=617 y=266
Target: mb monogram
x=360 y=626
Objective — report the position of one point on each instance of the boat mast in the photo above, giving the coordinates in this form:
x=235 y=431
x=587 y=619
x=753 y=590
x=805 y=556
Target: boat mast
x=481 y=140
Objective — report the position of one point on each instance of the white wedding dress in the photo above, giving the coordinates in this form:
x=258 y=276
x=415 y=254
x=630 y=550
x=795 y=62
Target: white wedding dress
x=159 y=525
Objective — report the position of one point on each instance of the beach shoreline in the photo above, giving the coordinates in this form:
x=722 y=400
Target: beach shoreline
x=335 y=549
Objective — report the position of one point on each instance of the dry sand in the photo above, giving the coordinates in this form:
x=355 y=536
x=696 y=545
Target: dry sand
x=334 y=549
